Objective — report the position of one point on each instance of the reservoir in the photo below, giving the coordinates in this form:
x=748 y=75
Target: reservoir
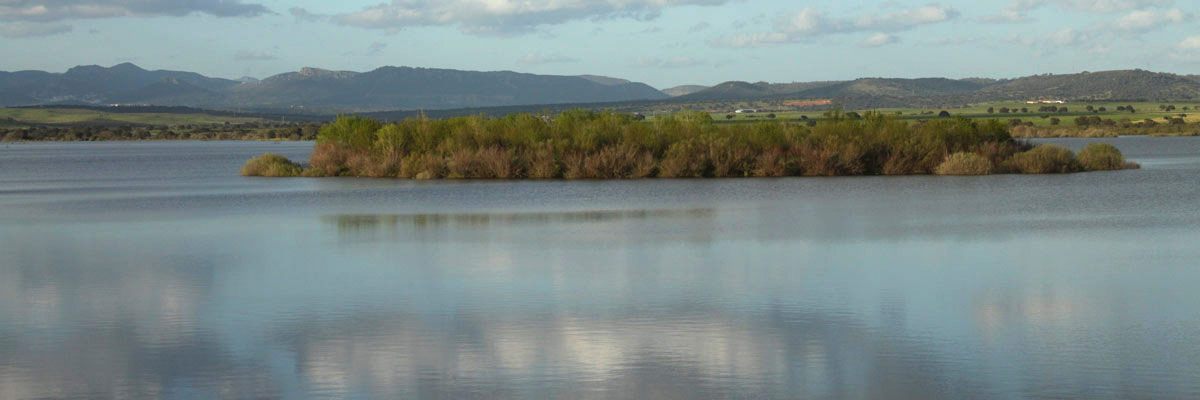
x=152 y=270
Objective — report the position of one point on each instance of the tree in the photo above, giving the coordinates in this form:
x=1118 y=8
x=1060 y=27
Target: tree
x=772 y=116
x=1004 y=110
x=944 y=114
x=1024 y=110
x=1090 y=108
x=1062 y=109
x=1102 y=109
x=991 y=110
x=728 y=116
x=1054 y=121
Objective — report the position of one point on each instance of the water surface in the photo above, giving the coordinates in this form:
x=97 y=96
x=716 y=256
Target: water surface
x=153 y=270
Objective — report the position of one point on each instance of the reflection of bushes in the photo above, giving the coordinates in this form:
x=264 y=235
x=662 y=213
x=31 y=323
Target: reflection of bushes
x=963 y=163
x=607 y=145
x=272 y=165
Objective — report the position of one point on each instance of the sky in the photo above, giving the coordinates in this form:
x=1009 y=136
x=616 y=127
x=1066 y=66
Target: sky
x=660 y=42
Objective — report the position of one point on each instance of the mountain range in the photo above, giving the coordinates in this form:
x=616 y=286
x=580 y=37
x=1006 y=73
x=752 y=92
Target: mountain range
x=1122 y=85
x=319 y=91
x=386 y=88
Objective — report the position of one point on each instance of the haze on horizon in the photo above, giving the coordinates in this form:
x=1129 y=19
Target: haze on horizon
x=660 y=42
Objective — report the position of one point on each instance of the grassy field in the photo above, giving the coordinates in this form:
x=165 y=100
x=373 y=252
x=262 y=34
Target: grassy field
x=73 y=116
x=1143 y=110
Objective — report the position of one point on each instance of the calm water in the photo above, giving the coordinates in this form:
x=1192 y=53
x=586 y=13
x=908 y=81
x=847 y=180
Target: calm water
x=152 y=270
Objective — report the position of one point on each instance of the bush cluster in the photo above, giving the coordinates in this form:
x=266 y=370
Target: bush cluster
x=963 y=163
x=583 y=144
x=272 y=165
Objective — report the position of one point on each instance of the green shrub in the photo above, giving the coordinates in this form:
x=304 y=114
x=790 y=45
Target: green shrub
x=1101 y=157
x=272 y=165
x=583 y=144
x=963 y=163
x=1045 y=159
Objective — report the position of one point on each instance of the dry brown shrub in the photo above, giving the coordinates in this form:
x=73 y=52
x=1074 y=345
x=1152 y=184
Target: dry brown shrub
x=573 y=166
x=543 y=164
x=495 y=162
x=328 y=160
x=684 y=159
x=963 y=163
x=771 y=163
x=728 y=161
x=462 y=165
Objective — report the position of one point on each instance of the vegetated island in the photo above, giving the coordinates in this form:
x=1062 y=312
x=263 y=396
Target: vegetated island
x=584 y=144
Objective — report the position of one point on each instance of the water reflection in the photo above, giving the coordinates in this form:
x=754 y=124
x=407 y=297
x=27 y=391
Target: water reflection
x=1076 y=286
x=693 y=224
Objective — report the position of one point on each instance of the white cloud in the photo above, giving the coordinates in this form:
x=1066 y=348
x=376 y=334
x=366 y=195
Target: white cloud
x=27 y=30
x=246 y=55
x=538 y=58
x=1008 y=17
x=1145 y=21
x=810 y=23
x=1068 y=37
x=302 y=14
x=57 y=10
x=1092 y=6
x=1190 y=44
x=879 y=40
x=669 y=62
x=483 y=17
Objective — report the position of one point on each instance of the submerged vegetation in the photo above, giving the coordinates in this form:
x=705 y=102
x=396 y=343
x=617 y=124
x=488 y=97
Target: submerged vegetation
x=608 y=145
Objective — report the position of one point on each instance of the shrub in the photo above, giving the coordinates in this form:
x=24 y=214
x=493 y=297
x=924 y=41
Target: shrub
x=1045 y=159
x=582 y=144
x=14 y=136
x=272 y=165
x=963 y=163
x=1101 y=157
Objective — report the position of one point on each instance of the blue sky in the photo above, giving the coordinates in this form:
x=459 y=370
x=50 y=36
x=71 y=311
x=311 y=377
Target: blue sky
x=660 y=42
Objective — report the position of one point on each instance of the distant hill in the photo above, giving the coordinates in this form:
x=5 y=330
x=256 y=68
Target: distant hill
x=605 y=80
x=1107 y=85
x=932 y=92
x=318 y=91
x=683 y=90
x=732 y=90
x=385 y=88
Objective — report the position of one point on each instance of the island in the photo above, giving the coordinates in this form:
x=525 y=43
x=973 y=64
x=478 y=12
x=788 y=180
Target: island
x=583 y=144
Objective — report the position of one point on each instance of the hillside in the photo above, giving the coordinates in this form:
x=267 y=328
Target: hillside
x=729 y=90
x=389 y=88
x=385 y=88
x=1107 y=85
x=683 y=90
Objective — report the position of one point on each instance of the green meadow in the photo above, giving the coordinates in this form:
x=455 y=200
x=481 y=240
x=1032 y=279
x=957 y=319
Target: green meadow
x=80 y=116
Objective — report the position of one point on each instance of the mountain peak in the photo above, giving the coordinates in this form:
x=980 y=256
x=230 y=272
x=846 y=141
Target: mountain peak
x=127 y=66
x=310 y=72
